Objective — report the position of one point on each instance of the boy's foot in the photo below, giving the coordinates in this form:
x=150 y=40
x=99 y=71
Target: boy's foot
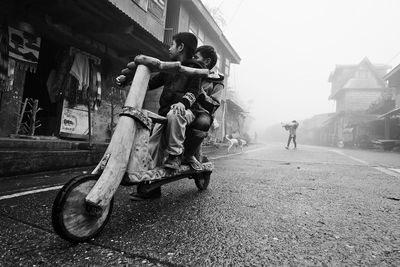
x=173 y=162
x=286 y=147
x=193 y=162
x=135 y=196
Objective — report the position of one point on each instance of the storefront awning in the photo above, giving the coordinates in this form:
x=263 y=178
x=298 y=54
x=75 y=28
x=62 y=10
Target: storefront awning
x=100 y=20
x=393 y=112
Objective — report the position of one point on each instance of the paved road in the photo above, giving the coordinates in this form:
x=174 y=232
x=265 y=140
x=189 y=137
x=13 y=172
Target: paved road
x=267 y=206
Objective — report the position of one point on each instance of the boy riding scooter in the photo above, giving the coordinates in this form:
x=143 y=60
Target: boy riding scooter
x=207 y=103
x=179 y=94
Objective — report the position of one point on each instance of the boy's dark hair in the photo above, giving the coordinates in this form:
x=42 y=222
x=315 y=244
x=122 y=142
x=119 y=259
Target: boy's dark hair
x=189 y=40
x=208 y=51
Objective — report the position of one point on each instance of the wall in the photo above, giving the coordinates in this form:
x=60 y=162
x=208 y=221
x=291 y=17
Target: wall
x=209 y=37
x=147 y=20
x=340 y=102
x=397 y=97
x=11 y=103
x=361 y=99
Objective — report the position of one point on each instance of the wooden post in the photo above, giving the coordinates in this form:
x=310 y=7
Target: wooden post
x=33 y=117
x=120 y=145
x=21 y=116
x=387 y=127
x=89 y=123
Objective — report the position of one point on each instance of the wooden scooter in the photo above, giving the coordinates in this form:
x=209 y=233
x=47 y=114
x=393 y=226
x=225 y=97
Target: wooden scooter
x=83 y=206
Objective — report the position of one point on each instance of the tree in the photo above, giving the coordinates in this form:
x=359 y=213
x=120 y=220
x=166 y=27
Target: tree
x=384 y=104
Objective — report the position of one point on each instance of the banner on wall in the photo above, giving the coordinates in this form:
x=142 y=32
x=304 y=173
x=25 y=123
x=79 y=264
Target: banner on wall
x=24 y=47
x=74 y=121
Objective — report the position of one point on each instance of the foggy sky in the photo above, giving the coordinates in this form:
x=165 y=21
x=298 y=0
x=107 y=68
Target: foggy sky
x=289 y=47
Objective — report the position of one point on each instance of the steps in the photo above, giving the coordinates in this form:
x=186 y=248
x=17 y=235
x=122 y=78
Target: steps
x=22 y=156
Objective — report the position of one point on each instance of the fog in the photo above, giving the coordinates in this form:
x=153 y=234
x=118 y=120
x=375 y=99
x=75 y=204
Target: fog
x=289 y=47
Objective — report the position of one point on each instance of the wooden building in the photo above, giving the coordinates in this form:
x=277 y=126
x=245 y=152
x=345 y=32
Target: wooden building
x=354 y=88
x=392 y=118
x=44 y=40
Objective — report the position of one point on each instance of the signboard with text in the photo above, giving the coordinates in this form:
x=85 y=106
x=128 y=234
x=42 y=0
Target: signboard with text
x=74 y=121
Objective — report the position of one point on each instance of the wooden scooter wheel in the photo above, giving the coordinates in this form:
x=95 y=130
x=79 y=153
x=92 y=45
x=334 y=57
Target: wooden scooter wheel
x=70 y=217
x=202 y=180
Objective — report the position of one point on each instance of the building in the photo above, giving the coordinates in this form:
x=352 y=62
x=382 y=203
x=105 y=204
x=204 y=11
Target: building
x=58 y=51
x=354 y=88
x=43 y=40
x=392 y=118
x=192 y=16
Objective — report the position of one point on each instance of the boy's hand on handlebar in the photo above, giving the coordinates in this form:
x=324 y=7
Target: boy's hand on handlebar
x=178 y=108
x=120 y=79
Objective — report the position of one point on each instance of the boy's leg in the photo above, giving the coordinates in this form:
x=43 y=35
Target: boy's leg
x=294 y=141
x=192 y=146
x=175 y=136
x=196 y=132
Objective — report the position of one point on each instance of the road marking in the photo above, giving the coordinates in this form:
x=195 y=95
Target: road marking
x=389 y=171
x=396 y=170
x=58 y=187
x=350 y=157
x=234 y=154
x=30 y=192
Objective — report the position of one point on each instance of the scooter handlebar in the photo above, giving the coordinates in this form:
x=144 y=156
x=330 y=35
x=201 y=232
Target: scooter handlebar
x=157 y=65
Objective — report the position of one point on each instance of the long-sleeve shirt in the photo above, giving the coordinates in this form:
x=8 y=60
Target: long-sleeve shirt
x=210 y=97
x=177 y=87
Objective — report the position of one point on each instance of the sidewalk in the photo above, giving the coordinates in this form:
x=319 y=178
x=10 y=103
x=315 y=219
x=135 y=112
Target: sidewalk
x=22 y=156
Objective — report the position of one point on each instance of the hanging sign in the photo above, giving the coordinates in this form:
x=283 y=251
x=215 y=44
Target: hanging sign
x=24 y=47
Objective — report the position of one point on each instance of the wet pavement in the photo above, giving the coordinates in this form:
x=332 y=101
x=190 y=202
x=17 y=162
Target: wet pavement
x=314 y=206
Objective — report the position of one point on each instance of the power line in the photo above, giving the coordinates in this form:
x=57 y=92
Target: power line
x=237 y=9
x=398 y=53
x=220 y=4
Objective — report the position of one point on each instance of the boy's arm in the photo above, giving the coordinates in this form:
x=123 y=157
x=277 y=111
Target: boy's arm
x=194 y=87
x=192 y=92
x=212 y=102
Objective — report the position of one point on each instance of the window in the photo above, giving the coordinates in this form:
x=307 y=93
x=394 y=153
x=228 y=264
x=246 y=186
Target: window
x=193 y=28
x=362 y=74
x=227 y=66
x=218 y=65
x=157 y=7
x=200 y=36
x=142 y=3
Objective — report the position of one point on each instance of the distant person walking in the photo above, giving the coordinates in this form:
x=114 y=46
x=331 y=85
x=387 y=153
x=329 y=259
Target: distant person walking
x=291 y=127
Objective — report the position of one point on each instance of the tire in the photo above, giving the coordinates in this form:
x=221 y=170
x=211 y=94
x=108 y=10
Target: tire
x=202 y=180
x=70 y=219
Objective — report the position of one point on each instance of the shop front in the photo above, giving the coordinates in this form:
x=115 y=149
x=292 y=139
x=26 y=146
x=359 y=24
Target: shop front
x=58 y=64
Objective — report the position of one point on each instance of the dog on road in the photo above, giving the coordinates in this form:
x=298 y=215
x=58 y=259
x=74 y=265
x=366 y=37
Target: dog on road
x=235 y=143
